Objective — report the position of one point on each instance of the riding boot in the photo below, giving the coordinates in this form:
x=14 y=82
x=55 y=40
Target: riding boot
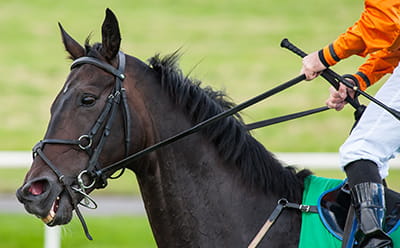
x=369 y=204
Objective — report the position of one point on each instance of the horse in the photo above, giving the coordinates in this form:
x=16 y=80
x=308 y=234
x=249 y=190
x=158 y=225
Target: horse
x=213 y=188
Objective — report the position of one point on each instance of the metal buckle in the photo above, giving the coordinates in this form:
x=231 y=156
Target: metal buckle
x=85 y=137
x=37 y=146
x=81 y=183
x=88 y=201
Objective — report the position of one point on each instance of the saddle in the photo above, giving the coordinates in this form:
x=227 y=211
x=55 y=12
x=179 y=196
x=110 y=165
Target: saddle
x=333 y=206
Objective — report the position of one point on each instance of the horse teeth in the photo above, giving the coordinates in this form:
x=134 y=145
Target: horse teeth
x=48 y=219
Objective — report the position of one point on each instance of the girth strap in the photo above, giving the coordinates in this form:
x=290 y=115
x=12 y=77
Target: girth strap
x=282 y=204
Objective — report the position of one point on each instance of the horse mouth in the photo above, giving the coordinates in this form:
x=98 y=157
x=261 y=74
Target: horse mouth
x=50 y=218
x=51 y=203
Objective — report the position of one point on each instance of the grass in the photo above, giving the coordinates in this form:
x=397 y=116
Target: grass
x=231 y=44
x=23 y=230
x=20 y=231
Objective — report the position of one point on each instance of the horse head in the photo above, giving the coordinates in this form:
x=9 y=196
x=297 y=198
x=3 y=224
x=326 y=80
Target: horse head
x=90 y=114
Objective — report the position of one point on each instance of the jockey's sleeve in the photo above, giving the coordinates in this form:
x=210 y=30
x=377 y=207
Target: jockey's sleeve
x=378 y=64
x=377 y=32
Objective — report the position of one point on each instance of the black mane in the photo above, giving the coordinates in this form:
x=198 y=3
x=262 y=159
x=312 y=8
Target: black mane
x=234 y=143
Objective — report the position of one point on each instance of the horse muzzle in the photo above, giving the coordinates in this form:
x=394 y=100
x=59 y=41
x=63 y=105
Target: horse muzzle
x=47 y=200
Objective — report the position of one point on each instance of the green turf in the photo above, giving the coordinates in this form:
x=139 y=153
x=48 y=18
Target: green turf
x=22 y=231
x=108 y=231
x=231 y=44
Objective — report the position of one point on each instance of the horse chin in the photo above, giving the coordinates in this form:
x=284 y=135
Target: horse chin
x=60 y=212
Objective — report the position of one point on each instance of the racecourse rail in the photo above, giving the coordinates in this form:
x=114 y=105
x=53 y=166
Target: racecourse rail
x=23 y=159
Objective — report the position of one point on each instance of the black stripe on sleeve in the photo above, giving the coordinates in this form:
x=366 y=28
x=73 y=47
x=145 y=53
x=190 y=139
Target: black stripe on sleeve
x=322 y=58
x=364 y=77
x=333 y=54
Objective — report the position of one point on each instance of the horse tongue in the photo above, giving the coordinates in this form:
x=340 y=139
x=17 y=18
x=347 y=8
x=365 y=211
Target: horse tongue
x=36 y=188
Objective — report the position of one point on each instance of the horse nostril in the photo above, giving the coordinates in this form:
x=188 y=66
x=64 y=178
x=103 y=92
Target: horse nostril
x=38 y=187
x=33 y=190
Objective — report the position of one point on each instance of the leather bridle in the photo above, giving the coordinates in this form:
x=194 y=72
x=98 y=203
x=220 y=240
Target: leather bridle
x=98 y=176
x=85 y=142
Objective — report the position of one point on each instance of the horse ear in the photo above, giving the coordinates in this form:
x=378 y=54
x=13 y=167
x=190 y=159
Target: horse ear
x=111 y=37
x=72 y=46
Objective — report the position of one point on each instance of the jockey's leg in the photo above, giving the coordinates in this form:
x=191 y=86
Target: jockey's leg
x=365 y=154
x=368 y=200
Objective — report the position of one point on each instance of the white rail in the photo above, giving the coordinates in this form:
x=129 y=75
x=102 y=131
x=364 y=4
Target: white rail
x=23 y=159
x=52 y=237
x=14 y=159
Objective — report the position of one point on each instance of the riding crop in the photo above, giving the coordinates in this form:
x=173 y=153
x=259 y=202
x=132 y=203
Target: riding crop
x=334 y=79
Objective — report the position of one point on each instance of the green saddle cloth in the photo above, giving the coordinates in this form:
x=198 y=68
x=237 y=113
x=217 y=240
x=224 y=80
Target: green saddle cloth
x=313 y=232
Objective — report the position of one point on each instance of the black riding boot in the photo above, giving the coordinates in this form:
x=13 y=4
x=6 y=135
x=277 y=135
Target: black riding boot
x=369 y=204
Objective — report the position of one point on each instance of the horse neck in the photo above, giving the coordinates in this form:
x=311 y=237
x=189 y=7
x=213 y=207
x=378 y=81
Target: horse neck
x=191 y=196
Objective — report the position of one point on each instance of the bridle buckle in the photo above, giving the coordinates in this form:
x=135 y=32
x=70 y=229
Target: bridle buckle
x=88 y=201
x=88 y=140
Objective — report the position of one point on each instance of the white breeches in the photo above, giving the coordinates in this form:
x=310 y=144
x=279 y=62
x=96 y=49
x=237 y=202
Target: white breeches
x=377 y=135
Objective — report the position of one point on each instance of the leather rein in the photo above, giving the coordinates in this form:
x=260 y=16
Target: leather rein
x=118 y=98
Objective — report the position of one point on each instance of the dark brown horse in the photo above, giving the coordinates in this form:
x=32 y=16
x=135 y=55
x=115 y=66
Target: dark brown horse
x=214 y=188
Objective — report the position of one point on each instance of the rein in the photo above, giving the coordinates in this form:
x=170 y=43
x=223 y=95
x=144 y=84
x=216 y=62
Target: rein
x=123 y=163
x=283 y=118
x=334 y=79
x=98 y=176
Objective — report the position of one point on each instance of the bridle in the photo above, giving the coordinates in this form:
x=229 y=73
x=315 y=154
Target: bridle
x=99 y=176
x=85 y=142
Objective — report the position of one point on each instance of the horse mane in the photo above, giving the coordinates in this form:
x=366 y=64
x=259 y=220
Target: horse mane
x=258 y=166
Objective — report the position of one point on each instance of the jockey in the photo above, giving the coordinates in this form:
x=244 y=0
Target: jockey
x=376 y=138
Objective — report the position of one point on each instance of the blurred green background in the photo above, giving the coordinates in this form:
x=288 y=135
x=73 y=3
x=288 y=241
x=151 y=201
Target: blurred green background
x=228 y=44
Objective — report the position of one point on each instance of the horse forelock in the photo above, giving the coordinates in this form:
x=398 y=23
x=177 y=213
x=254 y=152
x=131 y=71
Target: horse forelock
x=93 y=50
x=235 y=145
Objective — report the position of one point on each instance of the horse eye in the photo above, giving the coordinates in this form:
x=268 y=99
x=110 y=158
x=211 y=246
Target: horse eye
x=88 y=100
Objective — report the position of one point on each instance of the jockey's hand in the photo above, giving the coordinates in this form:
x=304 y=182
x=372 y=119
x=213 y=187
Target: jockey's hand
x=337 y=98
x=312 y=66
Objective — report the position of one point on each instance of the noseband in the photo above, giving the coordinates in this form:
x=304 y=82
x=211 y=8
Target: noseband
x=85 y=141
